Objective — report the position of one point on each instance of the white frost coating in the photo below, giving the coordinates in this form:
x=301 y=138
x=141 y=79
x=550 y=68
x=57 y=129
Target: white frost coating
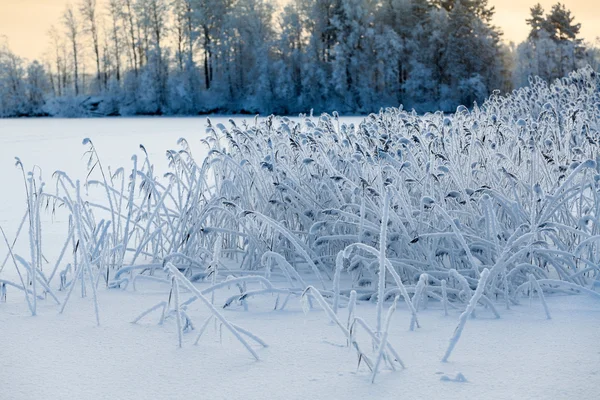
x=24 y=286
x=175 y=288
x=382 y=259
x=392 y=271
x=361 y=225
x=288 y=269
x=39 y=277
x=361 y=322
x=33 y=243
x=203 y=328
x=463 y=282
x=11 y=246
x=505 y=289
x=569 y=285
x=62 y=253
x=317 y=295
x=348 y=333
x=214 y=265
x=85 y=263
x=130 y=197
x=383 y=342
x=93 y=154
x=445 y=297
x=296 y=244
x=461 y=239
x=339 y=265
x=462 y=320
x=535 y=285
x=420 y=291
x=173 y=269
x=250 y=335
x=267 y=260
x=351 y=307
x=162 y=304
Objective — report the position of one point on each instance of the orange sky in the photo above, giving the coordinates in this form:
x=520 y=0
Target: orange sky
x=26 y=22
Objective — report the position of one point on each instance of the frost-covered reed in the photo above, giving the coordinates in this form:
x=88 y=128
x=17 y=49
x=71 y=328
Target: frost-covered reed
x=399 y=204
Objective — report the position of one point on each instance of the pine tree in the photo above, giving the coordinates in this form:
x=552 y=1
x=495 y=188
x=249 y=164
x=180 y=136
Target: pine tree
x=553 y=47
x=559 y=24
x=472 y=60
x=537 y=21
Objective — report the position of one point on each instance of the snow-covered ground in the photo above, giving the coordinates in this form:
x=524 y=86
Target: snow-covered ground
x=520 y=356
x=55 y=356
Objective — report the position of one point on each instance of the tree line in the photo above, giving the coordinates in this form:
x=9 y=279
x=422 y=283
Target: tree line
x=153 y=57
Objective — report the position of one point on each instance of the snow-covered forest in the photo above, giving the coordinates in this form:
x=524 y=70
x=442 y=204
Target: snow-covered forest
x=132 y=57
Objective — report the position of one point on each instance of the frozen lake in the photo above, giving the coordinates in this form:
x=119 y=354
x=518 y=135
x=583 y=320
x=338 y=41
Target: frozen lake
x=55 y=144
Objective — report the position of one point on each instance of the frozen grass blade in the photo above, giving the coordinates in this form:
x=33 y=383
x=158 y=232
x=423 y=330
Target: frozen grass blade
x=462 y=320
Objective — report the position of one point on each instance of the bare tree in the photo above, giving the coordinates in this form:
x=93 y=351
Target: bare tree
x=158 y=13
x=88 y=11
x=114 y=10
x=130 y=25
x=72 y=26
x=107 y=62
x=143 y=11
x=210 y=16
x=180 y=11
x=58 y=45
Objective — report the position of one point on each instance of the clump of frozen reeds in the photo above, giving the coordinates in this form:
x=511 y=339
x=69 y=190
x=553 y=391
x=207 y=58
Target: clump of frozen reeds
x=399 y=204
